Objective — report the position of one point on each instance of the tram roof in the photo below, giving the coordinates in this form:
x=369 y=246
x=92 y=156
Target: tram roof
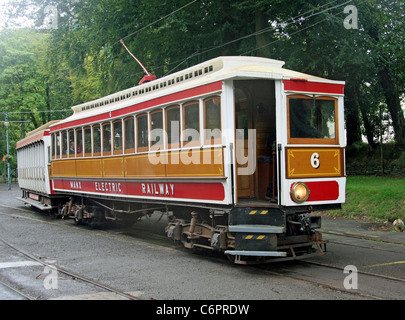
x=36 y=135
x=217 y=69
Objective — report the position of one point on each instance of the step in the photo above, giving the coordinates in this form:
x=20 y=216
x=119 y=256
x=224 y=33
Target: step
x=251 y=228
x=256 y=253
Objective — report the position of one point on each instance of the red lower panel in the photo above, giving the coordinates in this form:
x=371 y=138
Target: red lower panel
x=322 y=190
x=174 y=190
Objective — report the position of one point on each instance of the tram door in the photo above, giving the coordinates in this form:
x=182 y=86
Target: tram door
x=255 y=109
x=243 y=122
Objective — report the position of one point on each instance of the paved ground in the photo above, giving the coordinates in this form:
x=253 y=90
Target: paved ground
x=153 y=267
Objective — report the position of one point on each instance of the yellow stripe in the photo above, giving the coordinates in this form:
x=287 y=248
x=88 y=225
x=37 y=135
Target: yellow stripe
x=386 y=264
x=253 y=212
x=249 y=237
x=264 y=211
x=260 y=237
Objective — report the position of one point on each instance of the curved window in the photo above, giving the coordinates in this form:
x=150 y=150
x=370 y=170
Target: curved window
x=117 y=133
x=191 y=124
x=173 y=127
x=72 y=145
x=156 y=125
x=106 y=139
x=96 y=140
x=64 y=144
x=212 y=120
x=142 y=132
x=87 y=142
x=129 y=135
x=53 y=145
x=79 y=142
x=58 y=145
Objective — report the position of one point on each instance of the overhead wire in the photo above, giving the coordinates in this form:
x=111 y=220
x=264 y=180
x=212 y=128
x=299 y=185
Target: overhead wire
x=301 y=17
x=270 y=28
x=160 y=19
x=267 y=29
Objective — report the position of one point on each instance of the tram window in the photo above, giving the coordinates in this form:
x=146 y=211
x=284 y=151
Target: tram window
x=156 y=125
x=71 y=143
x=129 y=135
x=96 y=141
x=87 y=142
x=79 y=142
x=106 y=139
x=312 y=118
x=58 y=145
x=64 y=144
x=191 y=123
x=173 y=127
x=212 y=120
x=117 y=126
x=142 y=132
x=53 y=145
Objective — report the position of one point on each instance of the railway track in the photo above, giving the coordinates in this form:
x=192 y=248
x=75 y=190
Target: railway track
x=305 y=270
x=69 y=273
x=359 y=271
x=15 y=292
x=360 y=236
x=373 y=285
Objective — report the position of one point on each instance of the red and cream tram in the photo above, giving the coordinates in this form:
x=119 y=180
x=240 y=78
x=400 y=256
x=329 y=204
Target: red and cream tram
x=238 y=151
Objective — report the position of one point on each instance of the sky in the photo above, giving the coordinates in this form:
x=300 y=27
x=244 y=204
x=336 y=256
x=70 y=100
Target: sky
x=5 y=6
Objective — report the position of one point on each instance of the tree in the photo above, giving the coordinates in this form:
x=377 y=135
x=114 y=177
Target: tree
x=84 y=59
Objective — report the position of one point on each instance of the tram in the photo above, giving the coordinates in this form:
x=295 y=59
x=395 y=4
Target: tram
x=239 y=152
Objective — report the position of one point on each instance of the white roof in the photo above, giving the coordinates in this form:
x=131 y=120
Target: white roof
x=217 y=69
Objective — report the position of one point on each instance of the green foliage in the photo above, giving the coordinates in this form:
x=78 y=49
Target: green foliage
x=82 y=59
x=377 y=198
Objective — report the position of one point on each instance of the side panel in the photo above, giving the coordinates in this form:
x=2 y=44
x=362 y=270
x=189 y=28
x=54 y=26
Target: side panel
x=322 y=191
x=204 y=192
x=314 y=162
x=139 y=166
x=320 y=166
x=195 y=163
x=32 y=168
x=88 y=168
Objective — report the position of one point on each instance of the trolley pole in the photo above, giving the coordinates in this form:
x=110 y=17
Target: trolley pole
x=6 y=123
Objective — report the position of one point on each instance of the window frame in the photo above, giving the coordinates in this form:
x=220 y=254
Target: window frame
x=104 y=152
x=53 y=145
x=212 y=141
x=79 y=155
x=143 y=148
x=64 y=146
x=192 y=143
x=118 y=151
x=161 y=144
x=322 y=141
x=94 y=127
x=174 y=145
x=129 y=150
x=88 y=154
x=58 y=146
x=69 y=142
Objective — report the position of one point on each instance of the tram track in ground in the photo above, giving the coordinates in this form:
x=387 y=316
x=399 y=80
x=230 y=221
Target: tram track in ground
x=324 y=275
x=71 y=274
x=16 y=292
x=372 y=274
x=296 y=270
x=360 y=236
x=372 y=285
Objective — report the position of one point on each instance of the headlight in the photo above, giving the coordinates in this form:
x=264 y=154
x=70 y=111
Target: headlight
x=300 y=192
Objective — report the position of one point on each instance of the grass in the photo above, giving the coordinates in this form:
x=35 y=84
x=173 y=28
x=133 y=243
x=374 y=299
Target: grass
x=374 y=198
